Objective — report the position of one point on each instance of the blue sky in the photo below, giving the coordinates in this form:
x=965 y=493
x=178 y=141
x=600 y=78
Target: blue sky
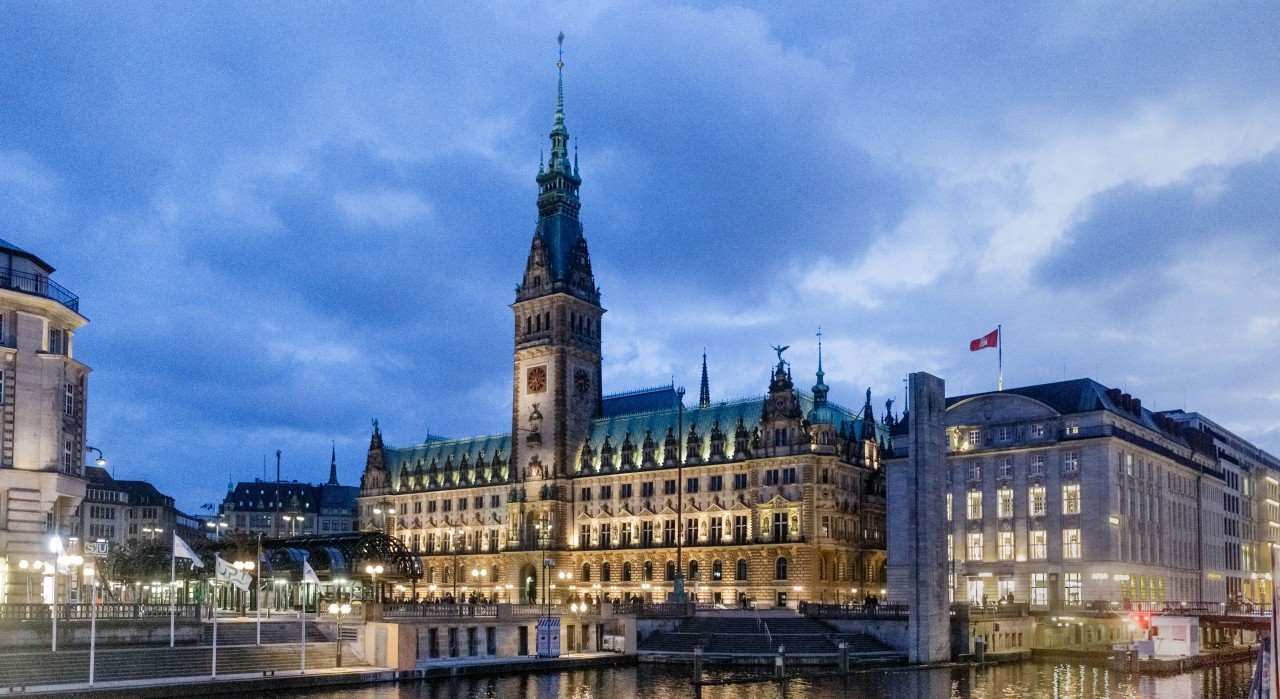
x=286 y=219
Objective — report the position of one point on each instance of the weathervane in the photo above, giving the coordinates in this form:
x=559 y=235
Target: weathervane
x=560 y=41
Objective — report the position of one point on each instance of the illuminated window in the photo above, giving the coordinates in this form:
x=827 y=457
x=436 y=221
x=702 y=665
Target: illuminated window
x=1071 y=543
x=1037 y=465
x=1071 y=499
x=974 y=552
x=1037 y=500
x=1006 y=546
x=973 y=501
x=1071 y=588
x=949 y=498
x=951 y=547
x=1071 y=462
x=1039 y=544
x=1039 y=589
x=1004 y=502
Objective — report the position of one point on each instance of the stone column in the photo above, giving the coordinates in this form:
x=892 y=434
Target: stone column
x=918 y=523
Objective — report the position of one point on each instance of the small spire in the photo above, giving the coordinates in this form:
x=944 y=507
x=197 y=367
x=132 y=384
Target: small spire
x=820 y=354
x=560 y=82
x=333 y=463
x=540 y=161
x=704 y=395
x=820 y=388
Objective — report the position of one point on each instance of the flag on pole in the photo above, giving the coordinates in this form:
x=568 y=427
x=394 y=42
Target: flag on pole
x=991 y=339
x=182 y=550
x=228 y=573
x=309 y=574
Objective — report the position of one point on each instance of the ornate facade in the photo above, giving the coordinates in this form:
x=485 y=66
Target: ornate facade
x=773 y=498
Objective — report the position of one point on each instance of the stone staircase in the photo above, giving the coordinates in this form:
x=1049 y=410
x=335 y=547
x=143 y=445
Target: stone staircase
x=245 y=633
x=743 y=636
x=68 y=667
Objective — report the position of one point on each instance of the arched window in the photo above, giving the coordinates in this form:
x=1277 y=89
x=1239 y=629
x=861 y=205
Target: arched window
x=648 y=571
x=780 y=568
x=670 y=572
x=741 y=572
x=528 y=324
x=431 y=575
x=693 y=570
x=586 y=572
x=605 y=573
x=717 y=572
x=626 y=571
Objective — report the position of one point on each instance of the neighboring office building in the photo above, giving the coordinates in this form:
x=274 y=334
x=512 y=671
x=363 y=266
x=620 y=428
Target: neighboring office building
x=1069 y=493
x=115 y=512
x=781 y=497
x=1250 y=509
x=43 y=403
x=280 y=509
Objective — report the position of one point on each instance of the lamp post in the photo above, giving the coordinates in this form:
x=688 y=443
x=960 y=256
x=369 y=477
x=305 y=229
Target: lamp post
x=677 y=587
x=374 y=570
x=339 y=611
x=544 y=534
x=476 y=577
x=453 y=548
x=245 y=566
x=153 y=531
x=217 y=527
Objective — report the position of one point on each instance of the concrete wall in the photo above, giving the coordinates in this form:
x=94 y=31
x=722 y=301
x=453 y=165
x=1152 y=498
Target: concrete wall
x=891 y=632
x=16 y=635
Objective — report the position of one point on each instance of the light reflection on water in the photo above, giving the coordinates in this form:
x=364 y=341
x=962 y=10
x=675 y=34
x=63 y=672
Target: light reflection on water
x=1032 y=680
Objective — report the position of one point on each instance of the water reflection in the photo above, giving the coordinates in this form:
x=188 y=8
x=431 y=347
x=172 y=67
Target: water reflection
x=1038 y=680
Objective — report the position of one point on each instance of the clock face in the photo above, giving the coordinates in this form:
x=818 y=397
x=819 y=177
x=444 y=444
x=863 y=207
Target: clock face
x=581 y=380
x=536 y=380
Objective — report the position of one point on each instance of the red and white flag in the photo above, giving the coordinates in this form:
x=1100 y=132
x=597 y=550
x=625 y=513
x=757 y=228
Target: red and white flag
x=991 y=339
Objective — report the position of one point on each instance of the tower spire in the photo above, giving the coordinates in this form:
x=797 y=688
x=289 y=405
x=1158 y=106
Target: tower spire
x=333 y=464
x=704 y=396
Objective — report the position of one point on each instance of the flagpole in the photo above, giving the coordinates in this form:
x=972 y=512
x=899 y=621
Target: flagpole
x=173 y=583
x=303 y=605
x=216 y=561
x=1000 y=357
x=93 y=625
x=257 y=586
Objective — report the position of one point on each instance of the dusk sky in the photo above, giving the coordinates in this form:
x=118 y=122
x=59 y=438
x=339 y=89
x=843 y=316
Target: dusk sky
x=286 y=219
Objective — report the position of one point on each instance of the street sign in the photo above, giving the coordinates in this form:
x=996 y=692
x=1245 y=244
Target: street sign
x=96 y=548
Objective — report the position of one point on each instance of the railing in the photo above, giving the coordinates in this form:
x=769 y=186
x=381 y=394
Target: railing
x=856 y=610
x=433 y=611
x=38 y=285
x=1004 y=610
x=37 y=612
x=1188 y=608
x=663 y=610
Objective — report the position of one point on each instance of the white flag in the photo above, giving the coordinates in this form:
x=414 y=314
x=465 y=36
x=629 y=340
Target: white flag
x=182 y=550
x=309 y=574
x=228 y=573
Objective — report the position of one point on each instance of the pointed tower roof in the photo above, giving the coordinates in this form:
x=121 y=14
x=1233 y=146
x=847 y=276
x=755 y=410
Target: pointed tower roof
x=704 y=395
x=333 y=464
x=821 y=414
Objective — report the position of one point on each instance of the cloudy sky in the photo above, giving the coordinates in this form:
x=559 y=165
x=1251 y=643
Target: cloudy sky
x=286 y=219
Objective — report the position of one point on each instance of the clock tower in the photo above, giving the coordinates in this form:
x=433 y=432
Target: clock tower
x=557 y=325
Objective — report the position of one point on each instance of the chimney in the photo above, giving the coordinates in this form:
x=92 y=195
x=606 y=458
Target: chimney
x=1137 y=407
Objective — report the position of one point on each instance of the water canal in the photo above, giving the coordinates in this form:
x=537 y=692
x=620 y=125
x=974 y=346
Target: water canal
x=1038 y=680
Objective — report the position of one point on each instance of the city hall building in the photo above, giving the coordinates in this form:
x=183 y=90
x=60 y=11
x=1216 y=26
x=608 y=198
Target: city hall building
x=771 y=499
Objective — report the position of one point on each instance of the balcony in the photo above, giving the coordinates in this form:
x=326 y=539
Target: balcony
x=38 y=285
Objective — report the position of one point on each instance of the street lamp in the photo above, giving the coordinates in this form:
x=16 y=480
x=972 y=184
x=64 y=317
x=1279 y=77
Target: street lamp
x=339 y=611
x=153 y=531
x=374 y=570
x=476 y=575
x=100 y=461
x=245 y=566
x=32 y=568
x=217 y=527
x=453 y=547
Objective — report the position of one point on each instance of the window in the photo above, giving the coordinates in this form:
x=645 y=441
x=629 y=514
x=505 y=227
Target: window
x=715 y=484
x=739 y=481
x=1037 y=431
x=669 y=487
x=624 y=538
x=740 y=529
x=974 y=551
x=717 y=571
x=646 y=533
x=691 y=485
x=606 y=573
x=717 y=530
x=1037 y=500
x=68 y=458
x=479 y=503
x=585 y=494
x=780 y=526
x=1071 y=462
x=949 y=498
x=1004 y=434
x=1006 y=546
x=1072 y=427
x=495 y=501
x=646 y=489
x=669 y=533
x=584 y=536
x=780 y=568
x=586 y=572
x=693 y=570
x=740 y=572
x=1039 y=544
x=69 y=400
x=974 y=435
x=975 y=471
x=1004 y=502
x=1 y=383
x=973 y=500
x=690 y=532
x=1071 y=499
x=1006 y=467
x=788 y=476
x=1071 y=588
x=57 y=341
x=624 y=491
x=648 y=571
x=446 y=505
x=669 y=572
x=951 y=543
x=1039 y=589
x=1037 y=465
x=771 y=477
x=462 y=504
x=626 y=571
x=1071 y=543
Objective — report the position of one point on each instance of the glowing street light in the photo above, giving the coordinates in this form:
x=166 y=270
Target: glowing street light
x=339 y=611
x=374 y=570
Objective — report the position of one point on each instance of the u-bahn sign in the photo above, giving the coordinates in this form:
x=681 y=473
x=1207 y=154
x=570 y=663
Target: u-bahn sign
x=96 y=548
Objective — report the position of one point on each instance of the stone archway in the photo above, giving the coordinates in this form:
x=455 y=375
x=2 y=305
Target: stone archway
x=529 y=584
